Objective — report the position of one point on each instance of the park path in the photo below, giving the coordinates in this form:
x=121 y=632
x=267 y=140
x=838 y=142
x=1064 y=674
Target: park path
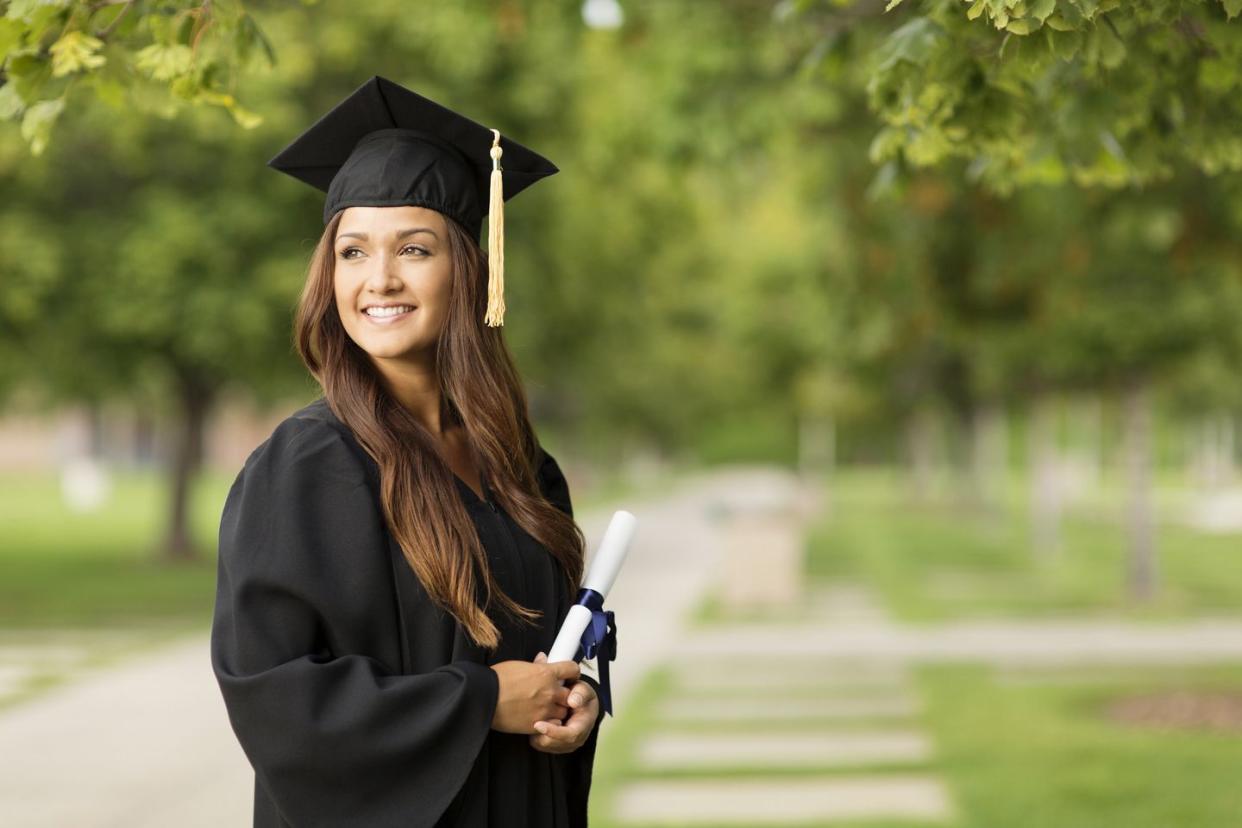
x=817 y=721
x=769 y=738
x=147 y=743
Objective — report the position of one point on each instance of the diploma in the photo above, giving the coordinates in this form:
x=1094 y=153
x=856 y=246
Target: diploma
x=589 y=630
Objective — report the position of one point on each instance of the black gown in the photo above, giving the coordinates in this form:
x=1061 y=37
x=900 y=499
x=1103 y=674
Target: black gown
x=356 y=700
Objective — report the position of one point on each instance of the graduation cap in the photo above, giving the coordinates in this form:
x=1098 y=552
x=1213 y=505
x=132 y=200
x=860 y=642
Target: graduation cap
x=385 y=146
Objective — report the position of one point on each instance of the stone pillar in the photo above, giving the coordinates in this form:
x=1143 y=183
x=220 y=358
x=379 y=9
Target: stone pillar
x=764 y=563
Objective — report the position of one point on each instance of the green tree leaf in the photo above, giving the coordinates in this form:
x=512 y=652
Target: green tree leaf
x=74 y=52
x=37 y=123
x=165 y=62
x=1040 y=9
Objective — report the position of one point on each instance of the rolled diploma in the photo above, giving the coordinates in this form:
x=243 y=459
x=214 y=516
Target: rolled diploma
x=603 y=571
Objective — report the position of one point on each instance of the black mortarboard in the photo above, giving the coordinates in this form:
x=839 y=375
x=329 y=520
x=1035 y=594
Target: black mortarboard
x=385 y=146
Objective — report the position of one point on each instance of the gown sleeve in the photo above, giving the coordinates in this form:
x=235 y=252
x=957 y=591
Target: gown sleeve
x=579 y=763
x=336 y=736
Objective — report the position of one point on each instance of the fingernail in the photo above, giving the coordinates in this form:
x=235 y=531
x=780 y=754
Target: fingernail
x=541 y=727
x=575 y=700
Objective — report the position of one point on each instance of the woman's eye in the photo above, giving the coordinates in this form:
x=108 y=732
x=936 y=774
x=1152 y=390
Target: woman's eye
x=419 y=251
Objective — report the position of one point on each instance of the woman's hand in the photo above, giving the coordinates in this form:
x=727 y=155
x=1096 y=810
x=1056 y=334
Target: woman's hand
x=531 y=692
x=554 y=737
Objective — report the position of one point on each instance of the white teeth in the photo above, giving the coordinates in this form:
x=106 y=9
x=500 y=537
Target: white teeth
x=388 y=311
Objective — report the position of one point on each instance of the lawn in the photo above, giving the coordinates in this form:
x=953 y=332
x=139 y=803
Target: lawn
x=61 y=569
x=943 y=560
x=1043 y=754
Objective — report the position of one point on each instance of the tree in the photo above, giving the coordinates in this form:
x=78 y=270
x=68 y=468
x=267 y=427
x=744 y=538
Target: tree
x=1023 y=97
x=150 y=54
x=1045 y=91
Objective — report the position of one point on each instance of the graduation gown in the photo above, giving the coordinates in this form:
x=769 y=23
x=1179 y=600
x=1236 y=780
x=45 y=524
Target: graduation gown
x=356 y=700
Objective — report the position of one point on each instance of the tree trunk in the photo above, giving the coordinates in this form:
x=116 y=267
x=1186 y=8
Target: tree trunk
x=817 y=453
x=987 y=456
x=1225 y=448
x=195 y=397
x=920 y=436
x=1045 y=495
x=144 y=451
x=1093 y=417
x=1211 y=454
x=816 y=445
x=1136 y=413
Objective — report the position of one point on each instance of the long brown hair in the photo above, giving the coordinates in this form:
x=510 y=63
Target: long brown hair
x=480 y=389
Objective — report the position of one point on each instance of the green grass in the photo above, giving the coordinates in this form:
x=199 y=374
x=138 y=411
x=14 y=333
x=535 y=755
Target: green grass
x=62 y=569
x=1044 y=756
x=944 y=561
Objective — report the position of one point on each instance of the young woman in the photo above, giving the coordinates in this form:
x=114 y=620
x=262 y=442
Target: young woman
x=397 y=557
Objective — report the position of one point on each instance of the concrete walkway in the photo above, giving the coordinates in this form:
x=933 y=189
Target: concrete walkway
x=143 y=746
x=788 y=801
x=1056 y=642
x=840 y=742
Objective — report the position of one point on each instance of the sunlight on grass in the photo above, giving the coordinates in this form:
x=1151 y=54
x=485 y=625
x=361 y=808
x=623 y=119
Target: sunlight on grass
x=1042 y=755
x=59 y=568
x=943 y=560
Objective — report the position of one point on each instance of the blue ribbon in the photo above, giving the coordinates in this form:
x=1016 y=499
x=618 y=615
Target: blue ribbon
x=598 y=639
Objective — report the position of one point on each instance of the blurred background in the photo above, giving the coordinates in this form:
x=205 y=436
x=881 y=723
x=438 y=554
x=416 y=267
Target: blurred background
x=909 y=330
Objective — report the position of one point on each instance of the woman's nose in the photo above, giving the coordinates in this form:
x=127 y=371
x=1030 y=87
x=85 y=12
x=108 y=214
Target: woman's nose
x=382 y=273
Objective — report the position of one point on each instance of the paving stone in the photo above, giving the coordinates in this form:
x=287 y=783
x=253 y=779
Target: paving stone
x=780 y=710
x=844 y=604
x=1060 y=641
x=851 y=748
x=750 y=674
x=786 y=686
x=753 y=802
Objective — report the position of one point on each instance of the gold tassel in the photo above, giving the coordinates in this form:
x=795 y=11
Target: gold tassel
x=496 y=241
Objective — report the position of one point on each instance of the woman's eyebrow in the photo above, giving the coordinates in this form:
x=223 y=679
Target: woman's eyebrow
x=409 y=231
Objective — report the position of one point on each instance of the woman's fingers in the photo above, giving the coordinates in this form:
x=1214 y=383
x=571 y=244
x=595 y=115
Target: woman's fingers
x=553 y=737
x=566 y=670
x=580 y=694
x=559 y=732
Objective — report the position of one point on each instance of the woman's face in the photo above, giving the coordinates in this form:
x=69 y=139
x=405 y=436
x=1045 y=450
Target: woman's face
x=394 y=257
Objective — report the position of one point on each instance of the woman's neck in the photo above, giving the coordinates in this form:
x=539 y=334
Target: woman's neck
x=417 y=388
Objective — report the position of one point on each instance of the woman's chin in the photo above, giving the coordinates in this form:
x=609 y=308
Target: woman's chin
x=395 y=350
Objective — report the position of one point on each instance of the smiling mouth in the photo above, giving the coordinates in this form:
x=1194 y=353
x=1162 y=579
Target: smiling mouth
x=384 y=317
